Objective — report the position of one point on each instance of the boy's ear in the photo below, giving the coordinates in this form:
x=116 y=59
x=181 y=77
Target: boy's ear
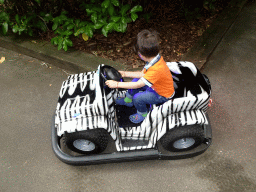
x=142 y=56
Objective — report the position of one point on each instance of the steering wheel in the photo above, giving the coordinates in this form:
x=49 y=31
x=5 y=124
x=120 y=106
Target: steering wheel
x=110 y=73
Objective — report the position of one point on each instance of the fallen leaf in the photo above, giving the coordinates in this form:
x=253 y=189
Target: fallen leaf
x=85 y=37
x=2 y=59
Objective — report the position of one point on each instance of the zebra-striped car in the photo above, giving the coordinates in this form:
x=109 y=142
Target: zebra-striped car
x=88 y=128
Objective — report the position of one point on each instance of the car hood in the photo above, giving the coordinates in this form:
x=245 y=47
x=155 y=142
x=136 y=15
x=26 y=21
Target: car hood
x=80 y=98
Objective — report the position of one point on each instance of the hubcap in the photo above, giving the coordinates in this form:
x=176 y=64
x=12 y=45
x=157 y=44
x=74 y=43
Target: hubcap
x=84 y=145
x=184 y=143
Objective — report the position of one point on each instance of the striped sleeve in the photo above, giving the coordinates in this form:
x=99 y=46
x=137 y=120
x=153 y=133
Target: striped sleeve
x=148 y=83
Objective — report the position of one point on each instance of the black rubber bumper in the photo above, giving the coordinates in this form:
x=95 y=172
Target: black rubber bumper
x=150 y=154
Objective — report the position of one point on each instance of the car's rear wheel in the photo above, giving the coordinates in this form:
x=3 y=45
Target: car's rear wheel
x=87 y=142
x=183 y=138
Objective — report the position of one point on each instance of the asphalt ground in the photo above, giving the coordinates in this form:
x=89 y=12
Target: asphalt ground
x=29 y=92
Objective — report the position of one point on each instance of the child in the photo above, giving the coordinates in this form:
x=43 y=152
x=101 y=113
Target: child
x=153 y=85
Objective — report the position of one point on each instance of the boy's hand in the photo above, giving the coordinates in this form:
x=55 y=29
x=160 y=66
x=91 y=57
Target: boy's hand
x=112 y=84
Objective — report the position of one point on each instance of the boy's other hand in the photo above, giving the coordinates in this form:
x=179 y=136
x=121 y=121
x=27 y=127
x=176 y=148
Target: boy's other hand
x=112 y=84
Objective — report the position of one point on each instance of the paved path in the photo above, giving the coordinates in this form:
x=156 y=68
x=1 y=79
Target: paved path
x=231 y=163
x=29 y=91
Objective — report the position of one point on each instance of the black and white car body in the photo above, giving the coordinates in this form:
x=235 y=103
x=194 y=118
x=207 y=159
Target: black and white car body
x=89 y=128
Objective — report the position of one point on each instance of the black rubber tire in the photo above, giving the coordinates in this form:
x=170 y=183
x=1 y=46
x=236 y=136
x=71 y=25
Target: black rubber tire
x=194 y=133
x=99 y=137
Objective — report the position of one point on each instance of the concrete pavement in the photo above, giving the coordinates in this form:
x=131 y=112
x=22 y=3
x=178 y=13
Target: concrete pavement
x=29 y=91
x=232 y=71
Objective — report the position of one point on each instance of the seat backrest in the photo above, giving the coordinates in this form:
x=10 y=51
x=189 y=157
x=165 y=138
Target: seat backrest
x=186 y=78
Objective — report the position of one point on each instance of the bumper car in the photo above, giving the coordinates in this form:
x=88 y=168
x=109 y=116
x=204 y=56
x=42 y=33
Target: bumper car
x=89 y=128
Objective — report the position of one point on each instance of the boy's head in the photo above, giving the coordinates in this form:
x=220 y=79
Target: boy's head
x=147 y=43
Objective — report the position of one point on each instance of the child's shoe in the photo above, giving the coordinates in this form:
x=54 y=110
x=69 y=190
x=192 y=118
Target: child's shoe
x=121 y=101
x=138 y=117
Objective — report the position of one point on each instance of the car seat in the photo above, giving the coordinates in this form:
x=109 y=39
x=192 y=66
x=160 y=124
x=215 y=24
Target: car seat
x=186 y=78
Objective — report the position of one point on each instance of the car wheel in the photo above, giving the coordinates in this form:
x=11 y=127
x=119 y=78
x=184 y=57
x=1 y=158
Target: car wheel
x=87 y=142
x=183 y=138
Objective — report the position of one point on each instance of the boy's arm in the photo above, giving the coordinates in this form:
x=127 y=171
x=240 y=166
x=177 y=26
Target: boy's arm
x=125 y=85
x=132 y=74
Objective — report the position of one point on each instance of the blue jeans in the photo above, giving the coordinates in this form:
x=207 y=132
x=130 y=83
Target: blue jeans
x=143 y=96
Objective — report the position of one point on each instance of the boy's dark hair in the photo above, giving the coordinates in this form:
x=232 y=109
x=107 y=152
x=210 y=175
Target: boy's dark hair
x=147 y=43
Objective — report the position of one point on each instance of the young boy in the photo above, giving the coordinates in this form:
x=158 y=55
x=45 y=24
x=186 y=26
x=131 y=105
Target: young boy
x=153 y=85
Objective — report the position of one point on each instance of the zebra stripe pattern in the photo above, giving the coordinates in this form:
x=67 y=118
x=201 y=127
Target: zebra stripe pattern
x=83 y=104
x=80 y=105
x=174 y=113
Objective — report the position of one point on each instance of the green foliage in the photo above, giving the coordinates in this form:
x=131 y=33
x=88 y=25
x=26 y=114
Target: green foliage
x=23 y=25
x=63 y=26
x=4 y=21
x=194 y=9
x=27 y=23
x=102 y=16
x=209 y=5
x=12 y=17
x=98 y=16
x=109 y=16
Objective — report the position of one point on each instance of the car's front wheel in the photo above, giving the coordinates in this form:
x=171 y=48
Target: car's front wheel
x=87 y=142
x=183 y=138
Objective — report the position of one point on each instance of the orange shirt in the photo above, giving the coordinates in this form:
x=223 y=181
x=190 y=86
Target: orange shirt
x=159 y=78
